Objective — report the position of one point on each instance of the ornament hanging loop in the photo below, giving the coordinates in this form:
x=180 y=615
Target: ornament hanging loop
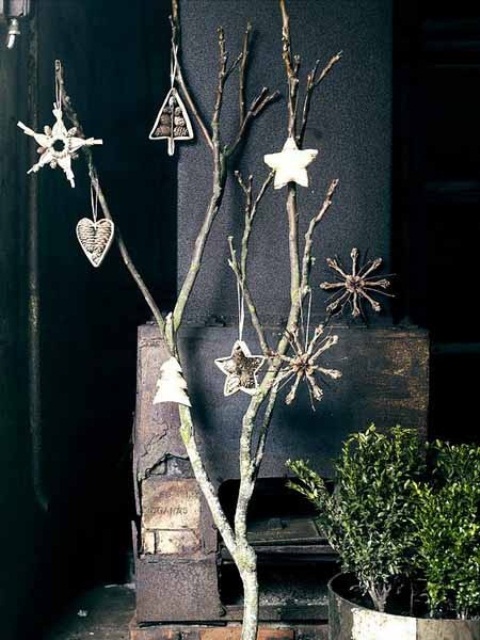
x=173 y=64
x=94 y=197
x=59 y=90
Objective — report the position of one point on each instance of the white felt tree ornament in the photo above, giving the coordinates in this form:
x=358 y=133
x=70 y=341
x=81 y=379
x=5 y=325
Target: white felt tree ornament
x=171 y=386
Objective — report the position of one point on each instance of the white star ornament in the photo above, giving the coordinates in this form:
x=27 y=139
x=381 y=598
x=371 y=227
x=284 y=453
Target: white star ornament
x=290 y=164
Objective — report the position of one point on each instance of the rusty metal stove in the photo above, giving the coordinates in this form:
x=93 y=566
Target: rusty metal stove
x=185 y=580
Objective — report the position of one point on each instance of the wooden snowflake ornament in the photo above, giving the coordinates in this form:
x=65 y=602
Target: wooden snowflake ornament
x=303 y=364
x=58 y=145
x=290 y=164
x=241 y=369
x=357 y=287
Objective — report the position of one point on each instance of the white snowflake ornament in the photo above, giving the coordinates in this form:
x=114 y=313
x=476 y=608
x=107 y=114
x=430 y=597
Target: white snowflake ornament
x=290 y=164
x=58 y=145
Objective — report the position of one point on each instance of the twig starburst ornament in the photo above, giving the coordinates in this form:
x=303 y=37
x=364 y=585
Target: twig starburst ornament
x=290 y=164
x=58 y=145
x=356 y=287
x=303 y=363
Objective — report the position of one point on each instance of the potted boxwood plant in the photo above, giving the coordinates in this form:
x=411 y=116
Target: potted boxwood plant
x=403 y=517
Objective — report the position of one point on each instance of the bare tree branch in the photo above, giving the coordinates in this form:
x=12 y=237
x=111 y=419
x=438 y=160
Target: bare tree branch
x=312 y=82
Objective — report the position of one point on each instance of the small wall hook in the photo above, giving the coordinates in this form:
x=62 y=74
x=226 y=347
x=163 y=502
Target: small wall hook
x=13 y=32
x=12 y=12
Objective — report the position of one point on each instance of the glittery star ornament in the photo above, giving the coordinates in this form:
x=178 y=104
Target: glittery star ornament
x=290 y=164
x=241 y=369
x=171 y=385
x=58 y=145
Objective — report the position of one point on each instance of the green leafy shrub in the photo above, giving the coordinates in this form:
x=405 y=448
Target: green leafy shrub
x=392 y=518
x=448 y=530
x=369 y=517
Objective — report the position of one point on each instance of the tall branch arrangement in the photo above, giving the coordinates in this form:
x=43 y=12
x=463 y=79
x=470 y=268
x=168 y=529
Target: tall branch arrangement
x=293 y=357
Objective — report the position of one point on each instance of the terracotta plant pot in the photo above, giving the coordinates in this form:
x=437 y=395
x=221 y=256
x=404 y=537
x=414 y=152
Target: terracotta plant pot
x=351 y=621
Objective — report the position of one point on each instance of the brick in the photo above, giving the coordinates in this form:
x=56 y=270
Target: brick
x=233 y=632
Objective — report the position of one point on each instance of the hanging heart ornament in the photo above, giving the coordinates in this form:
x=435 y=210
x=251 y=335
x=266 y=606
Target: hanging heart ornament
x=95 y=238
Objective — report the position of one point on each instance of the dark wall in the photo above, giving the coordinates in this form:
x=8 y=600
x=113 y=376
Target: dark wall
x=19 y=515
x=350 y=124
x=436 y=147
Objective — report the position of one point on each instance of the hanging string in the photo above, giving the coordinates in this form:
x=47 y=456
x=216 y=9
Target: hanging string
x=94 y=196
x=58 y=92
x=306 y=325
x=173 y=64
x=241 y=311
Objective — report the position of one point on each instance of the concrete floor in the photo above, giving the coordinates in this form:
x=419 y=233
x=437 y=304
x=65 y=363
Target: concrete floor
x=103 y=613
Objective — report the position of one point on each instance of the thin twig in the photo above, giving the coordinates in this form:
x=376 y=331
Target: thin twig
x=243 y=73
x=218 y=190
x=312 y=82
x=258 y=105
x=175 y=26
x=307 y=251
x=222 y=78
x=264 y=429
x=236 y=268
x=73 y=117
x=292 y=64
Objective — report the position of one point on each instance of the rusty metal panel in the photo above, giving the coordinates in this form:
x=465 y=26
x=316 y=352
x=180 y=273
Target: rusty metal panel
x=156 y=434
x=385 y=380
x=177 y=590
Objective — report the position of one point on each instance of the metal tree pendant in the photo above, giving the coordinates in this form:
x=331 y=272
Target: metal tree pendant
x=95 y=238
x=171 y=385
x=58 y=145
x=172 y=122
x=241 y=368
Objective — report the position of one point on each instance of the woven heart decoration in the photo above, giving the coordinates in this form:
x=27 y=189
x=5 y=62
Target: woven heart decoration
x=95 y=238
